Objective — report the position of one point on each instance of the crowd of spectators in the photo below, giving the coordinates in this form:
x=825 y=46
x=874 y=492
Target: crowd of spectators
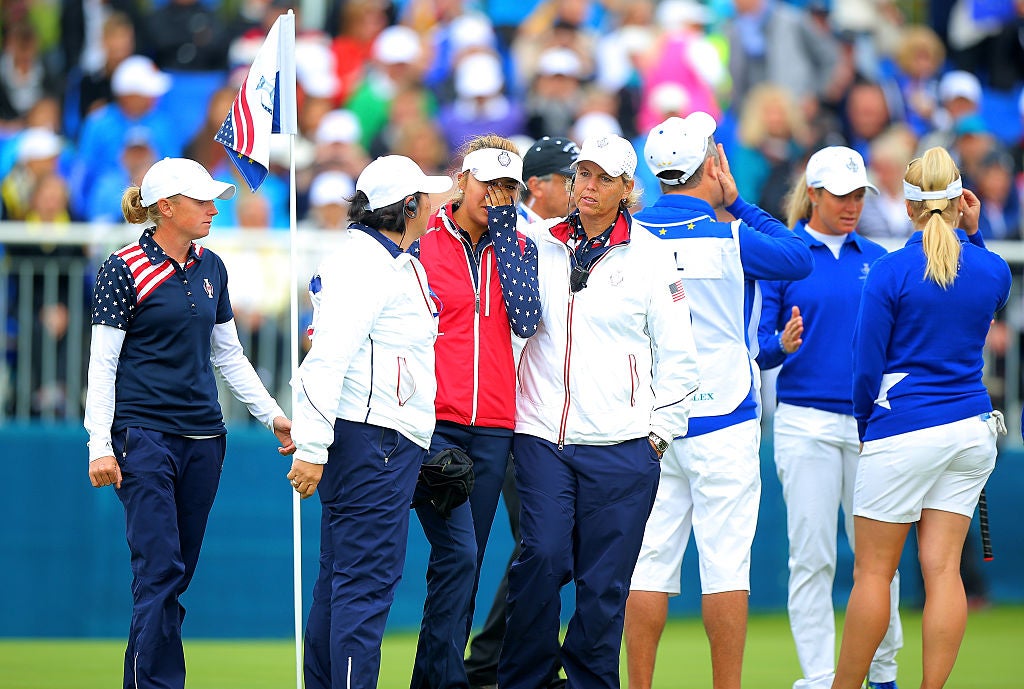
x=93 y=91
x=117 y=87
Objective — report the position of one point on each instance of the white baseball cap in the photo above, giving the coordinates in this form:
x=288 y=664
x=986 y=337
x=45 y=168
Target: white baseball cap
x=959 y=84
x=397 y=45
x=612 y=153
x=479 y=75
x=137 y=75
x=38 y=143
x=679 y=144
x=389 y=179
x=839 y=170
x=172 y=176
x=338 y=127
x=331 y=187
x=488 y=164
x=560 y=61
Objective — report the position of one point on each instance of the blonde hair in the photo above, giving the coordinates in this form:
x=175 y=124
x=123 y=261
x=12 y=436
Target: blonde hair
x=933 y=172
x=917 y=38
x=752 y=131
x=798 y=202
x=133 y=210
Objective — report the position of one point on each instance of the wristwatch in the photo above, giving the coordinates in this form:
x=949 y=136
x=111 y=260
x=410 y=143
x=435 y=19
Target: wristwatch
x=659 y=443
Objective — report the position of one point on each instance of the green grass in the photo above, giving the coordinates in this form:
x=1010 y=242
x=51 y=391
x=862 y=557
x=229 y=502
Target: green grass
x=992 y=657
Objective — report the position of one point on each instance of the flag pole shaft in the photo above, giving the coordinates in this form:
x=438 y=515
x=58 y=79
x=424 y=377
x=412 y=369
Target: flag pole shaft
x=294 y=341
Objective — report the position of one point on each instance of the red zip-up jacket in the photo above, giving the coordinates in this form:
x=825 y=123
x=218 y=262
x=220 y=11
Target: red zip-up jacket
x=483 y=297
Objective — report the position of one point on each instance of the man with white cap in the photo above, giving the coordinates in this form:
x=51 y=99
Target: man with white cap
x=710 y=478
x=137 y=85
x=817 y=448
x=364 y=416
x=162 y=324
x=603 y=384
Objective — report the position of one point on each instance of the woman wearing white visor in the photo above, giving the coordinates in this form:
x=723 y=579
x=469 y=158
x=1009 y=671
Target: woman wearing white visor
x=923 y=414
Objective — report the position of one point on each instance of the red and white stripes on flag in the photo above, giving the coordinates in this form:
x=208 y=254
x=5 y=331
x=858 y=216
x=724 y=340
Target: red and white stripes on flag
x=677 y=291
x=265 y=104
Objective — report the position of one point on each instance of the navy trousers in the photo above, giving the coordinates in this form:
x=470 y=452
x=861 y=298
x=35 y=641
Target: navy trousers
x=168 y=486
x=456 y=550
x=583 y=514
x=365 y=492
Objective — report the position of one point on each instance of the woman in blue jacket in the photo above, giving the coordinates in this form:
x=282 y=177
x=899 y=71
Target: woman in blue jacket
x=803 y=325
x=923 y=414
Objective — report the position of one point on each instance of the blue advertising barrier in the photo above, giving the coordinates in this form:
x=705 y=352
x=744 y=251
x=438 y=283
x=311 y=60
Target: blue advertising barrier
x=65 y=565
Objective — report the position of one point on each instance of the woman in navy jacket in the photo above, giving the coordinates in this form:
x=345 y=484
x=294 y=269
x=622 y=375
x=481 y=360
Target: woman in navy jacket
x=923 y=414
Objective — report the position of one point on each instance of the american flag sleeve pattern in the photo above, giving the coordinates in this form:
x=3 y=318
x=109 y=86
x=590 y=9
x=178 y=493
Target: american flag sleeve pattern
x=517 y=270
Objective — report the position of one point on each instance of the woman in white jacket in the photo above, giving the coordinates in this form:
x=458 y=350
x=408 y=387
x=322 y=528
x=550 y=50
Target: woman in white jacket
x=604 y=385
x=364 y=416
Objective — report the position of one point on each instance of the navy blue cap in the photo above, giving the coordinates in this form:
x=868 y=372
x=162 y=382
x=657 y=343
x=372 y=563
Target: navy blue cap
x=550 y=155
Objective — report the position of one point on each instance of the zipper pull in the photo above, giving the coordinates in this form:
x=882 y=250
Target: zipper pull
x=478 y=302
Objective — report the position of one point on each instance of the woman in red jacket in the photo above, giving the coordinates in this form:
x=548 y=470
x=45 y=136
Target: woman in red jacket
x=484 y=275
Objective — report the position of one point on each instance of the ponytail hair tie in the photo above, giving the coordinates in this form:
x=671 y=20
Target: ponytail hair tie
x=936 y=210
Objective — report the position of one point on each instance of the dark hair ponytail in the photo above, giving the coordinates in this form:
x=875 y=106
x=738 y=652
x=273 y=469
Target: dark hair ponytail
x=390 y=218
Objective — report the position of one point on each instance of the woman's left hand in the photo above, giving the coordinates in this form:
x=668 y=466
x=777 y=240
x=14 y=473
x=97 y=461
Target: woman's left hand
x=970 y=212
x=304 y=477
x=497 y=196
x=283 y=431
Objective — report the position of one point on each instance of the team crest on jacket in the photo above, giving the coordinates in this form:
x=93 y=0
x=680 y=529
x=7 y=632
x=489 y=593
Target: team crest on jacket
x=208 y=287
x=864 y=270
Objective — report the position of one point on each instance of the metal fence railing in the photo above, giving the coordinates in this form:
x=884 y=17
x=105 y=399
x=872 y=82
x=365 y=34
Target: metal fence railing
x=48 y=274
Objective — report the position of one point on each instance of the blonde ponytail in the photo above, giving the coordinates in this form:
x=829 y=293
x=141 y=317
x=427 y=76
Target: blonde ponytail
x=798 y=204
x=936 y=217
x=133 y=210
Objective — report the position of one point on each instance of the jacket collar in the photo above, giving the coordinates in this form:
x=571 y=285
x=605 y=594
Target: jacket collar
x=620 y=230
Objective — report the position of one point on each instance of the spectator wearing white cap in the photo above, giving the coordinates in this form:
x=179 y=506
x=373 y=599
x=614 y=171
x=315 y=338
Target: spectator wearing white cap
x=137 y=86
x=589 y=437
x=710 y=479
x=816 y=444
x=364 y=416
x=330 y=196
x=485 y=274
x=397 y=63
x=681 y=55
x=554 y=98
x=480 y=106
x=338 y=143
x=161 y=316
x=451 y=39
x=38 y=152
x=960 y=97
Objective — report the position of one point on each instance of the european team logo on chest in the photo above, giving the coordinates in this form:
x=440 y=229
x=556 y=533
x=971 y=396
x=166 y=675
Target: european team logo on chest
x=208 y=286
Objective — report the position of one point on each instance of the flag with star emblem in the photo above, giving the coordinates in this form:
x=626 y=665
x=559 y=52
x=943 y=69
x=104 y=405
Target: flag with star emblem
x=265 y=104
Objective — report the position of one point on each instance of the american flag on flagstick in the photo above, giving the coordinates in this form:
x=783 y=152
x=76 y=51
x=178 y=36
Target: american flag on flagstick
x=265 y=104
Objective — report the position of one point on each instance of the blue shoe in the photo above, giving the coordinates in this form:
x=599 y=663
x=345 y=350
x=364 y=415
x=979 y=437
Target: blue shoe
x=882 y=685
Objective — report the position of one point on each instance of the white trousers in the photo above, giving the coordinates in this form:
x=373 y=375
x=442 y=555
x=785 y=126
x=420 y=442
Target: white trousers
x=816 y=455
